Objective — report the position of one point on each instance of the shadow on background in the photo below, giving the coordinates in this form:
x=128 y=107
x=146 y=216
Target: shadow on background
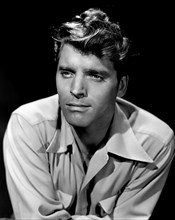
x=27 y=70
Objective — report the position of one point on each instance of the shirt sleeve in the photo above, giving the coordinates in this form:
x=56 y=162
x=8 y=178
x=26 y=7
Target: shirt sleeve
x=28 y=179
x=141 y=194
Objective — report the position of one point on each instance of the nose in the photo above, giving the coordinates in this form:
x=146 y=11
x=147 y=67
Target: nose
x=78 y=86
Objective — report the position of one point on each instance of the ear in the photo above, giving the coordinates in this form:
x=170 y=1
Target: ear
x=122 y=87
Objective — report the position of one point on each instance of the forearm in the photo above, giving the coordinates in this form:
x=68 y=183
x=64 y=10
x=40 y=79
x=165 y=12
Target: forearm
x=90 y=217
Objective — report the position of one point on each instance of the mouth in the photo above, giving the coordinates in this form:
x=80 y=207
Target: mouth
x=77 y=107
x=75 y=104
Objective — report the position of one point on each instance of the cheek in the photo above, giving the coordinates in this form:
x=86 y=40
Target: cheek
x=62 y=95
x=62 y=87
x=105 y=96
x=58 y=83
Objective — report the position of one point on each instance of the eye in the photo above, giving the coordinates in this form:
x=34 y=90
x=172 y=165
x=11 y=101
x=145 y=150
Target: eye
x=66 y=74
x=96 y=77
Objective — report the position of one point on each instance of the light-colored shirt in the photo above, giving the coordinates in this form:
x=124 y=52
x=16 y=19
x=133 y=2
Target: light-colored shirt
x=45 y=174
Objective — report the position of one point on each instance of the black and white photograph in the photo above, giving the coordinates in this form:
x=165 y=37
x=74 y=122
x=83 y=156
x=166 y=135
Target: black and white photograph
x=86 y=110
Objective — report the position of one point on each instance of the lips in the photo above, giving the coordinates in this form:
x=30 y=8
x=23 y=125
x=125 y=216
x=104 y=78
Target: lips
x=77 y=104
x=77 y=107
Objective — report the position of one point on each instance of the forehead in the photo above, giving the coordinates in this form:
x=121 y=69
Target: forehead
x=72 y=57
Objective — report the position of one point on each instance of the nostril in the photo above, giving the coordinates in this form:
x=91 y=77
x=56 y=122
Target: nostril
x=78 y=95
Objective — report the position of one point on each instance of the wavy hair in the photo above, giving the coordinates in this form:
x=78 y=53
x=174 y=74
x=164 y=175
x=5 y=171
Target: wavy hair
x=92 y=32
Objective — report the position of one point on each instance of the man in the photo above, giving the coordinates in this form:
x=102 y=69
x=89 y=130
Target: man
x=87 y=153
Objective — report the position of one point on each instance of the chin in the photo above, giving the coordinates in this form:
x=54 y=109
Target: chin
x=77 y=121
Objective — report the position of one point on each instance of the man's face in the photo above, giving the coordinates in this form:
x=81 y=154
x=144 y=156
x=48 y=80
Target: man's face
x=87 y=88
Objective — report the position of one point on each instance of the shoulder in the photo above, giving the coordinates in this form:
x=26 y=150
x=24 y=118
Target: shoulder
x=34 y=123
x=147 y=124
x=39 y=110
x=154 y=135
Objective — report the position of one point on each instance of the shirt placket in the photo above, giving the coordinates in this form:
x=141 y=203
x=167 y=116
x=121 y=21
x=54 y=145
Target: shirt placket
x=97 y=162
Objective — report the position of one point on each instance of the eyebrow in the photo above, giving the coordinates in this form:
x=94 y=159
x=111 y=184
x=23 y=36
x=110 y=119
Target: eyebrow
x=61 y=68
x=97 y=72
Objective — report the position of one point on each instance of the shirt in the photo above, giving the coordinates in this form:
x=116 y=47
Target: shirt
x=44 y=169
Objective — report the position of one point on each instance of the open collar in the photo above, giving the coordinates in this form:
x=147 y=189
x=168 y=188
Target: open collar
x=122 y=140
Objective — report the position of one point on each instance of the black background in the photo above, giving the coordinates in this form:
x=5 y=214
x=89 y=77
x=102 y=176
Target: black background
x=27 y=70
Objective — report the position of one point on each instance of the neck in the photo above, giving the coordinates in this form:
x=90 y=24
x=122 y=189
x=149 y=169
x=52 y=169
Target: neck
x=89 y=136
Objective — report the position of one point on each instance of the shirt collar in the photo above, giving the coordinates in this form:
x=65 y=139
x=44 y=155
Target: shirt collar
x=62 y=138
x=122 y=141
